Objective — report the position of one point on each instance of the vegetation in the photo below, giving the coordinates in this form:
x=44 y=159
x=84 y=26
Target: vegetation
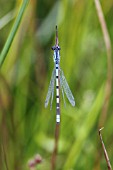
x=27 y=32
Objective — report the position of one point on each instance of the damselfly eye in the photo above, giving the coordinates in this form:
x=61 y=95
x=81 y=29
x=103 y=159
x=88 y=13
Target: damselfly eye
x=53 y=48
x=59 y=48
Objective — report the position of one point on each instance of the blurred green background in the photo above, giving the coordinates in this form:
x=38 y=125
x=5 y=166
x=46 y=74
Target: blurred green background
x=26 y=127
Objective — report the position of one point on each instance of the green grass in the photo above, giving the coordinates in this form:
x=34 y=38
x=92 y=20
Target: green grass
x=27 y=128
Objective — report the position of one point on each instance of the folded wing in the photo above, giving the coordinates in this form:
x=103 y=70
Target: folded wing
x=50 y=92
x=66 y=88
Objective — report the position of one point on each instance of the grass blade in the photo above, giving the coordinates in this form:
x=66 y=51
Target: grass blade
x=13 y=32
x=84 y=130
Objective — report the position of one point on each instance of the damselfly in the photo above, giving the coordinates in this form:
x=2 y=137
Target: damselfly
x=61 y=82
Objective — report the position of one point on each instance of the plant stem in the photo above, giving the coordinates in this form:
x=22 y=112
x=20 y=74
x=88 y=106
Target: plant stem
x=105 y=152
x=53 y=160
x=109 y=62
x=4 y=155
x=13 y=32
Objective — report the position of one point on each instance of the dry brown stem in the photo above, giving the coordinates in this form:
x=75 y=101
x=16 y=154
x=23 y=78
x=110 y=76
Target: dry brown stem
x=109 y=62
x=53 y=160
x=105 y=151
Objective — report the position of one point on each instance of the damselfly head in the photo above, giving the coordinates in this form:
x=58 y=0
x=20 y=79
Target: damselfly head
x=56 y=48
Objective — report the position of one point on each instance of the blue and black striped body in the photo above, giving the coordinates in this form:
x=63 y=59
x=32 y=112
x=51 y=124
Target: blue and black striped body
x=56 y=58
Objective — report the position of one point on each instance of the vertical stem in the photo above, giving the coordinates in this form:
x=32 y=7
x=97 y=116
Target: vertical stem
x=109 y=62
x=105 y=152
x=4 y=155
x=3 y=131
x=53 y=160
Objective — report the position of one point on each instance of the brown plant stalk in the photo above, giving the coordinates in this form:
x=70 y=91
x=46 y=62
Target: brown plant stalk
x=4 y=155
x=53 y=160
x=105 y=151
x=108 y=84
x=109 y=62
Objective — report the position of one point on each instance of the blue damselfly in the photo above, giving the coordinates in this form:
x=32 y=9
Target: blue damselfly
x=61 y=82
